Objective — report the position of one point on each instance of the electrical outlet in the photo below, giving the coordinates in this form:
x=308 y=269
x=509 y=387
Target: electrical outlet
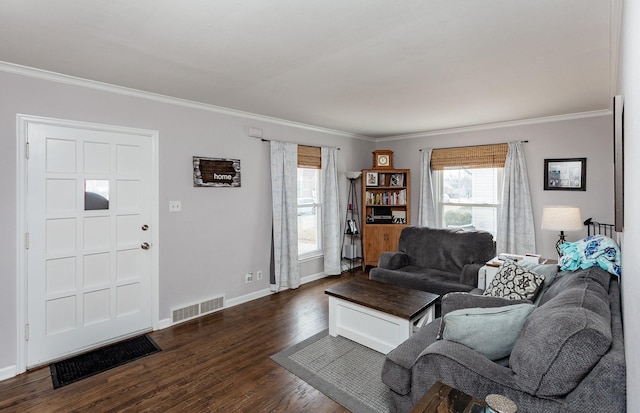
x=259 y=275
x=175 y=206
x=248 y=277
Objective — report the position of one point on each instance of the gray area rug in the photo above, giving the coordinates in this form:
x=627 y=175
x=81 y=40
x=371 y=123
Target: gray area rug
x=345 y=371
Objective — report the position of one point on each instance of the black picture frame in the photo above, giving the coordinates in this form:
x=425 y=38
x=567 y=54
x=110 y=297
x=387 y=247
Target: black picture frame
x=618 y=162
x=567 y=174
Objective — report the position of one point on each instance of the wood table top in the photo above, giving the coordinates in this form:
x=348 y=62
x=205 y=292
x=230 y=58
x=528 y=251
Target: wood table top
x=388 y=298
x=441 y=398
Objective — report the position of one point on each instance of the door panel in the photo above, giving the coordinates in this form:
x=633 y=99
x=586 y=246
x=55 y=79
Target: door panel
x=88 y=281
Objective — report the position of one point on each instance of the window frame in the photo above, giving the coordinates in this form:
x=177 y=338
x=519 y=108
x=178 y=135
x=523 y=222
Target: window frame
x=439 y=192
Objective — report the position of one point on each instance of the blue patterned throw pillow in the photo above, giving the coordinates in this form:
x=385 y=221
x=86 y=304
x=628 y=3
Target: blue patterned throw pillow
x=515 y=282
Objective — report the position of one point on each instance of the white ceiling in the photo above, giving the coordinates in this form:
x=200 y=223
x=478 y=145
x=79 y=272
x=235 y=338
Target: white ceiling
x=371 y=67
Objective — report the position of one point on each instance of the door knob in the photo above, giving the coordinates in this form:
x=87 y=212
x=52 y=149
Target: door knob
x=145 y=227
x=145 y=246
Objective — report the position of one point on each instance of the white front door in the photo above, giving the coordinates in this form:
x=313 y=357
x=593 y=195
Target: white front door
x=89 y=221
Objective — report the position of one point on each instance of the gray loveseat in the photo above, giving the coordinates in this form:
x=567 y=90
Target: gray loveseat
x=568 y=357
x=436 y=260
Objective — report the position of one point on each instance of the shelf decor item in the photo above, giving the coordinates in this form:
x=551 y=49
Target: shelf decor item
x=372 y=179
x=396 y=180
x=383 y=159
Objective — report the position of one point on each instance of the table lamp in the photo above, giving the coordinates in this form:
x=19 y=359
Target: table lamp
x=561 y=218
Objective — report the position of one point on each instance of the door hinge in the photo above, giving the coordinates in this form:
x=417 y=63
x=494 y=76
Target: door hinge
x=26 y=332
x=26 y=150
x=26 y=240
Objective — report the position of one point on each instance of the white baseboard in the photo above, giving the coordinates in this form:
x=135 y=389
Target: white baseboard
x=232 y=302
x=8 y=372
x=267 y=291
x=313 y=277
x=162 y=324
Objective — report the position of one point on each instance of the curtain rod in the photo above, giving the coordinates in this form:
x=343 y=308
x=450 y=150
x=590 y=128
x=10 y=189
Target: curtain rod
x=471 y=146
x=295 y=143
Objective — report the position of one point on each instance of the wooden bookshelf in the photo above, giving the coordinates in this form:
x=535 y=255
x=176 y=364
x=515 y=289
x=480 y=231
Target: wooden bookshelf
x=385 y=211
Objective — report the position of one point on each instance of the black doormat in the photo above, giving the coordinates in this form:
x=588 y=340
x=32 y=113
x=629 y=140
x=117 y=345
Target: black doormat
x=88 y=364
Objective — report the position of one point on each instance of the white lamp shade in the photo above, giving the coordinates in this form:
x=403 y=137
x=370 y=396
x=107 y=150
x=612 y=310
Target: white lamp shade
x=353 y=174
x=561 y=218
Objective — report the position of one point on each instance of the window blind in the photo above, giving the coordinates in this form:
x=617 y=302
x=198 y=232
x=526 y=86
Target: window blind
x=469 y=157
x=309 y=157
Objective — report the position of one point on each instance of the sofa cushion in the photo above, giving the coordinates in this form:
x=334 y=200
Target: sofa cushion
x=562 y=340
x=516 y=282
x=489 y=331
x=565 y=280
x=445 y=249
x=393 y=260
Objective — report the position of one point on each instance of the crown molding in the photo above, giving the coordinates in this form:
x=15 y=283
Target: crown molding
x=156 y=97
x=496 y=125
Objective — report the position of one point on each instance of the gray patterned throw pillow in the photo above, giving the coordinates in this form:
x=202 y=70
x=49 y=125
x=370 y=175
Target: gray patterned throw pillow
x=514 y=282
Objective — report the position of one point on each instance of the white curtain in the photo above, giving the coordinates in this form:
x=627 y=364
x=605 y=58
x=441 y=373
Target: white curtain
x=284 y=188
x=516 y=231
x=330 y=212
x=426 y=205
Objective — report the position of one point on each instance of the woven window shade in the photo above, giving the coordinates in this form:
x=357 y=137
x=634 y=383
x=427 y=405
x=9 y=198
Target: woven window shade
x=309 y=157
x=469 y=157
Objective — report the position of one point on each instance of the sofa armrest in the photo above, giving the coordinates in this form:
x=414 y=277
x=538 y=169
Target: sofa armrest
x=393 y=260
x=469 y=274
x=448 y=362
x=459 y=301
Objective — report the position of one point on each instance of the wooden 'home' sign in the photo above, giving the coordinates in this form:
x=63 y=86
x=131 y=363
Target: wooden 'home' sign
x=216 y=172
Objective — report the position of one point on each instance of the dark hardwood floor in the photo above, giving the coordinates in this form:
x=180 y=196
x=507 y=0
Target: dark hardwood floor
x=216 y=363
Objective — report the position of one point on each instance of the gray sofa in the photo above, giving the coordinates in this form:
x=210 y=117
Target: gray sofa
x=436 y=260
x=568 y=357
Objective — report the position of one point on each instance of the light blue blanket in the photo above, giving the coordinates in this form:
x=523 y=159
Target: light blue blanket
x=592 y=251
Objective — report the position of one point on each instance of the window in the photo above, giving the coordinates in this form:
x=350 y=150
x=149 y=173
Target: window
x=469 y=198
x=309 y=202
x=468 y=186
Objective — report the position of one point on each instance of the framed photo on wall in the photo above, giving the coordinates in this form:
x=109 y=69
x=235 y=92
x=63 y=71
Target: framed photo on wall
x=568 y=174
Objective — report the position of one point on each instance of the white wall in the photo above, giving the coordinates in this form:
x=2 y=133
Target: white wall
x=221 y=233
x=629 y=88
x=589 y=138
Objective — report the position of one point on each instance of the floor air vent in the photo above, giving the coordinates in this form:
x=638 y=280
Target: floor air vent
x=211 y=305
x=195 y=310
